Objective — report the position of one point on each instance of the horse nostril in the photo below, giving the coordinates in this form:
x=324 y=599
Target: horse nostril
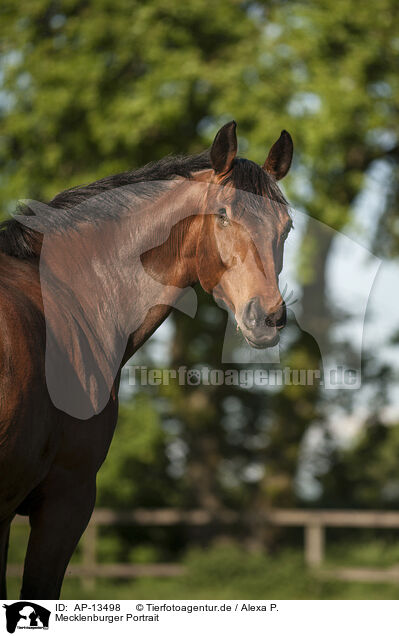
x=282 y=320
x=252 y=314
x=278 y=318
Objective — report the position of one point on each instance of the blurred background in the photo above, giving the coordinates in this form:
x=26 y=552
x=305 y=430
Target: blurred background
x=88 y=89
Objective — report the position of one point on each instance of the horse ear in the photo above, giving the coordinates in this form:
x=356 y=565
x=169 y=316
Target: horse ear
x=224 y=148
x=279 y=159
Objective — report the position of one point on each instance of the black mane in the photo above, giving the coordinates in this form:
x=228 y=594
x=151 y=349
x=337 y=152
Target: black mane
x=21 y=241
x=247 y=176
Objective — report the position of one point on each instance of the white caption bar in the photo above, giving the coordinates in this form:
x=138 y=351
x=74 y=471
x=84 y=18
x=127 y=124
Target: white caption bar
x=277 y=618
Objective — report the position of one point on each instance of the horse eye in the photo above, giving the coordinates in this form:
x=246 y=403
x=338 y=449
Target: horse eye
x=223 y=218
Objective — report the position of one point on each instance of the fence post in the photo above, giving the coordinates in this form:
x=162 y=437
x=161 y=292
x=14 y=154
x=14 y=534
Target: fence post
x=89 y=554
x=314 y=544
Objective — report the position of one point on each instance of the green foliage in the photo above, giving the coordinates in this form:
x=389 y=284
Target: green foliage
x=365 y=551
x=92 y=89
x=227 y=567
x=365 y=474
x=134 y=472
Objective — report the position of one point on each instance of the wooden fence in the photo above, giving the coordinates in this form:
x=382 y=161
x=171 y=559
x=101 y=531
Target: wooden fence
x=314 y=523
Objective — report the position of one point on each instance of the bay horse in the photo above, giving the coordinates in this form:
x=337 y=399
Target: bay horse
x=226 y=222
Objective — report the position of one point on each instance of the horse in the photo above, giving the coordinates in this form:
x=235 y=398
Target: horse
x=213 y=219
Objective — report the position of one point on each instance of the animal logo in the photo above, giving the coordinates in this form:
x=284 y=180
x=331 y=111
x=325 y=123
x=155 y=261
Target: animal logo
x=26 y=615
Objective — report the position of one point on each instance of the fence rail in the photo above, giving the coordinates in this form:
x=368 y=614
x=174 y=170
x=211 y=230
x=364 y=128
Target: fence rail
x=314 y=523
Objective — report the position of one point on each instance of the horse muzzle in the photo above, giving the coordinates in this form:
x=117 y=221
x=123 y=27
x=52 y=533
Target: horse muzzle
x=259 y=327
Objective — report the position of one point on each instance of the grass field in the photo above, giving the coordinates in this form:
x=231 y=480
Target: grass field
x=228 y=572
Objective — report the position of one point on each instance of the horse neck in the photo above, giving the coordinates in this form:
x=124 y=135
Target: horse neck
x=170 y=254
x=132 y=268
